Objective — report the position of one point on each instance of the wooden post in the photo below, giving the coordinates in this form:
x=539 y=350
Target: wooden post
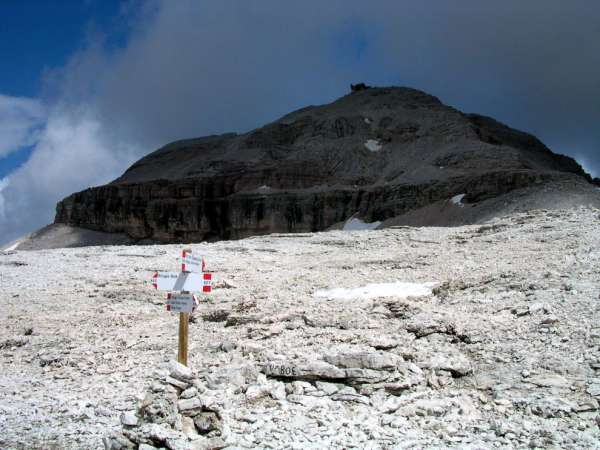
x=182 y=355
x=184 y=323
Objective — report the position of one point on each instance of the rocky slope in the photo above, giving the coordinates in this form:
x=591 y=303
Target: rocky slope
x=376 y=154
x=293 y=350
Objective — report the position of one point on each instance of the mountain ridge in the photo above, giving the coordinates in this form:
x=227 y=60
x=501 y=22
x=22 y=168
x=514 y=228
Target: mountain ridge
x=376 y=153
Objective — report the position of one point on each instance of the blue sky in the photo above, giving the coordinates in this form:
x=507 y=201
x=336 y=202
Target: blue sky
x=89 y=86
x=37 y=37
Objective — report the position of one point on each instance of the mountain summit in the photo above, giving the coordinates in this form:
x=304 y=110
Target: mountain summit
x=392 y=155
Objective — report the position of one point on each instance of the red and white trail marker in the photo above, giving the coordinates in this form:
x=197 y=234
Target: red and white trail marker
x=192 y=278
x=191 y=263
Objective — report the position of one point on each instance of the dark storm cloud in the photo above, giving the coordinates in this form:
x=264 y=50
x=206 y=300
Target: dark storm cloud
x=192 y=68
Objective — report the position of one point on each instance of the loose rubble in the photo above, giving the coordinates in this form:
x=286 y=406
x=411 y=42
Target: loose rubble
x=504 y=352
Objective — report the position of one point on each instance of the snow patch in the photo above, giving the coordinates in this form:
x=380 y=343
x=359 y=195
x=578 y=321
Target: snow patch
x=397 y=289
x=357 y=224
x=373 y=145
x=12 y=247
x=457 y=199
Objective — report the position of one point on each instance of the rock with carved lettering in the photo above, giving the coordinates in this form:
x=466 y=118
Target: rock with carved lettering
x=310 y=370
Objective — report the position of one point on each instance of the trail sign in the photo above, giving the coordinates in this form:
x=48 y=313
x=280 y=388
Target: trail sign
x=184 y=281
x=192 y=278
x=190 y=263
x=182 y=303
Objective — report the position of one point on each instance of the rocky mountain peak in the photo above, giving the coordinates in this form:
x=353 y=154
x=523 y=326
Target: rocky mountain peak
x=376 y=153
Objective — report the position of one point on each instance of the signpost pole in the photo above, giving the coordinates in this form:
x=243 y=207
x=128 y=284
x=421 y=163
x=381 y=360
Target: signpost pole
x=184 y=324
x=184 y=321
x=192 y=278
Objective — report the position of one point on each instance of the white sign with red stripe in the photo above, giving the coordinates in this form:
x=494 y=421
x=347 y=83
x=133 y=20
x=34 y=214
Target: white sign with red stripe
x=165 y=281
x=183 y=303
x=191 y=263
x=184 y=281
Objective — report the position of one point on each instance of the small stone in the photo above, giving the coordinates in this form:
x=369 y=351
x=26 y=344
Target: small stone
x=188 y=427
x=189 y=404
x=248 y=418
x=180 y=372
x=364 y=360
x=550 y=380
x=118 y=442
x=350 y=398
x=278 y=391
x=589 y=405
x=189 y=393
x=155 y=432
x=177 y=383
x=227 y=346
x=383 y=343
x=297 y=388
x=548 y=407
x=255 y=391
x=549 y=320
x=594 y=389
x=177 y=443
x=347 y=390
x=129 y=419
x=521 y=311
x=206 y=422
x=537 y=307
x=146 y=447
x=215 y=443
x=328 y=388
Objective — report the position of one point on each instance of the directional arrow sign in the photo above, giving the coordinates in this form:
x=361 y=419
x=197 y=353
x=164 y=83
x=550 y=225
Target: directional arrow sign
x=180 y=303
x=164 y=281
x=190 y=263
x=173 y=281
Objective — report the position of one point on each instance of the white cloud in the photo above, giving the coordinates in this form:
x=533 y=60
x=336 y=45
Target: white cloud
x=3 y=185
x=20 y=119
x=73 y=152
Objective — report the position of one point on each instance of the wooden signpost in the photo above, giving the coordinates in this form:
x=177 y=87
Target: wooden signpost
x=192 y=278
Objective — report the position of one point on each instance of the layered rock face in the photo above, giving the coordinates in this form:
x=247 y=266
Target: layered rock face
x=375 y=153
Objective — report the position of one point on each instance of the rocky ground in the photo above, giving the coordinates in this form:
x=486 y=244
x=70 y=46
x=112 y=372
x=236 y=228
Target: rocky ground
x=503 y=353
